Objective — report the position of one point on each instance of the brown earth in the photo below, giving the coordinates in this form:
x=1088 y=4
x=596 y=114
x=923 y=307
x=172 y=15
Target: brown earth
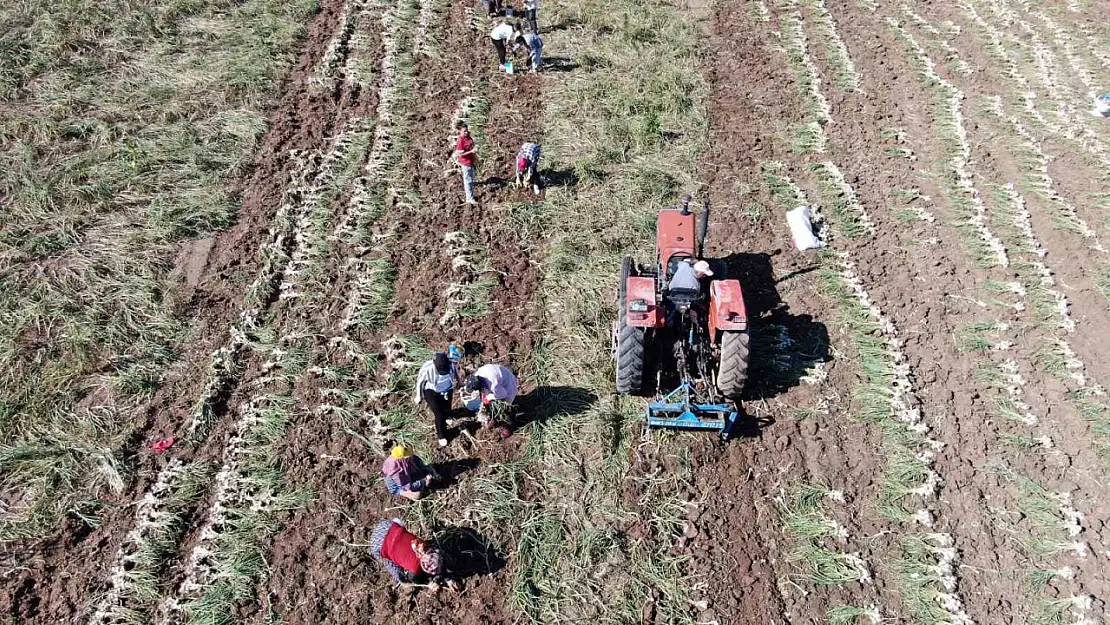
x=923 y=288
x=316 y=576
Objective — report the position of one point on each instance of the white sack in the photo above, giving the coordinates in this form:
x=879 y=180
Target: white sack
x=802 y=229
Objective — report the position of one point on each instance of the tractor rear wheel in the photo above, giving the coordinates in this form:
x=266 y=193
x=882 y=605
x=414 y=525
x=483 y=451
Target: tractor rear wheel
x=630 y=342
x=732 y=372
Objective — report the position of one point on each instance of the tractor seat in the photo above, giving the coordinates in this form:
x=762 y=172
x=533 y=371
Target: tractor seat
x=680 y=297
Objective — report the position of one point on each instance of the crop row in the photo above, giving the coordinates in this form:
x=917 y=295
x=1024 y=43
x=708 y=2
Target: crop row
x=1049 y=304
x=240 y=520
x=371 y=274
x=338 y=64
x=847 y=77
x=960 y=184
x=926 y=569
x=1047 y=533
x=468 y=296
x=1070 y=124
x=247 y=490
x=809 y=136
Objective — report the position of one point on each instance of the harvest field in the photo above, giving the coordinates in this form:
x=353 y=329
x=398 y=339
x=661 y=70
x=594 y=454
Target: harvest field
x=237 y=224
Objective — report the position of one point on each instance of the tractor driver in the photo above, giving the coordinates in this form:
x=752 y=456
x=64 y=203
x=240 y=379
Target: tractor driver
x=688 y=275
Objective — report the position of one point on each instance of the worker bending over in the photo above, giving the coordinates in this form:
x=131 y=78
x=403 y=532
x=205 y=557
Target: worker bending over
x=405 y=557
x=534 y=45
x=502 y=35
x=527 y=165
x=406 y=475
x=492 y=388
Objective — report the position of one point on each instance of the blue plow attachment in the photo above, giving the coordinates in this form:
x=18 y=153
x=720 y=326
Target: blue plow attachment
x=677 y=410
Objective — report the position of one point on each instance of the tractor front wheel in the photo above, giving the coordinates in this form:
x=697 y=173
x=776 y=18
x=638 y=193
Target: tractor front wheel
x=732 y=372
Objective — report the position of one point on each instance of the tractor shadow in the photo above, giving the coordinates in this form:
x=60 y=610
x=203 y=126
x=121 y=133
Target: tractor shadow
x=786 y=348
x=468 y=553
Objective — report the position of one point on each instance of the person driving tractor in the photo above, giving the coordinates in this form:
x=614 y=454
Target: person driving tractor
x=688 y=275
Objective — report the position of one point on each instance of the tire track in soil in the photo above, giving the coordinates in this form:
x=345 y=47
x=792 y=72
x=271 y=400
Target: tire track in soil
x=56 y=580
x=315 y=577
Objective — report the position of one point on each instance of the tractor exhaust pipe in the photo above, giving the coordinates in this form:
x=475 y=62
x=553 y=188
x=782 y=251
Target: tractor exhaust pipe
x=703 y=230
x=685 y=204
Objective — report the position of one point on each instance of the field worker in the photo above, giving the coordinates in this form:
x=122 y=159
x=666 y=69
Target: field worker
x=464 y=155
x=531 y=7
x=527 y=162
x=688 y=274
x=502 y=35
x=493 y=389
x=406 y=475
x=493 y=7
x=435 y=384
x=406 y=557
x=534 y=45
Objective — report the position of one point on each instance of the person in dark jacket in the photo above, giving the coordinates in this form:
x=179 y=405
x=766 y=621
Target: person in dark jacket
x=435 y=385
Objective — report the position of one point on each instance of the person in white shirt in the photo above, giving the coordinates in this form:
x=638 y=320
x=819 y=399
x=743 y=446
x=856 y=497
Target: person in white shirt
x=435 y=385
x=501 y=35
x=489 y=384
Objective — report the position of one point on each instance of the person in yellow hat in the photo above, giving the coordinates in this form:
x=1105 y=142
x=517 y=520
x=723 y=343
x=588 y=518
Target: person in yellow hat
x=406 y=475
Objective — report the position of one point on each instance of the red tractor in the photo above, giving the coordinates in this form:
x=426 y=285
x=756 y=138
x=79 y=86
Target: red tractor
x=693 y=333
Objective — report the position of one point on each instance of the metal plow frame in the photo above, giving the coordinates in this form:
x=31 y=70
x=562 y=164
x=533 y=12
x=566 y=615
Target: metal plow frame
x=677 y=410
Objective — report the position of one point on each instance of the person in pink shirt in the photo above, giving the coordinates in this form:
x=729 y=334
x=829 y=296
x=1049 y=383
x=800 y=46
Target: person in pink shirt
x=465 y=152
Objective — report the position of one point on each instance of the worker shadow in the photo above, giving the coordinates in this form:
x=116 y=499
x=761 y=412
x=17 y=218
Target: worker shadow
x=548 y=403
x=563 y=25
x=468 y=553
x=561 y=177
x=558 y=64
x=787 y=348
x=450 y=471
x=494 y=182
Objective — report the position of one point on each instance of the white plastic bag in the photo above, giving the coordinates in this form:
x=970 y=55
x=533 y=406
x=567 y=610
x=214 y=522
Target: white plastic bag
x=1102 y=106
x=801 y=229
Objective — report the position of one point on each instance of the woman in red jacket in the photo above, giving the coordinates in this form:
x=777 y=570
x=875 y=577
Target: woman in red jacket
x=404 y=556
